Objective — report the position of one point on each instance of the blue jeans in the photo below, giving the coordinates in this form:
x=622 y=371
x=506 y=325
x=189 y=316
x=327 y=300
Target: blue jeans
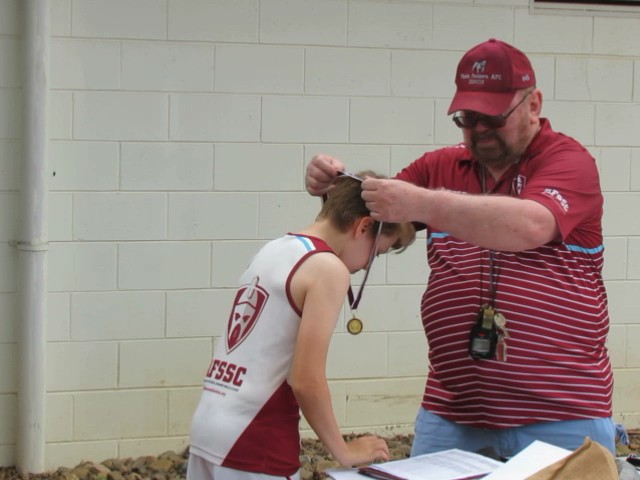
x=434 y=433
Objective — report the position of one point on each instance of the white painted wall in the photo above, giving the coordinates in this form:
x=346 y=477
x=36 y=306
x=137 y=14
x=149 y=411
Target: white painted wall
x=179 y=135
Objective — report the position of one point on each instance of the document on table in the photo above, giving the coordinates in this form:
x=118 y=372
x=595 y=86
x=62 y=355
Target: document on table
x=451 y=464
x=532 y=459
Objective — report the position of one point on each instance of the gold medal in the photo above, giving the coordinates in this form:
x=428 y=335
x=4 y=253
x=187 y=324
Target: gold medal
x=354 y=326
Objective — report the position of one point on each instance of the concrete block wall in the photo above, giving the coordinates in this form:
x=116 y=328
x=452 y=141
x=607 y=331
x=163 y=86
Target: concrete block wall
x=180 y=130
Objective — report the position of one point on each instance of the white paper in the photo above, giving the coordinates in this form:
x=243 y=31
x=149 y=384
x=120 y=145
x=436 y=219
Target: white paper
x=531 y=460
x=447 y=465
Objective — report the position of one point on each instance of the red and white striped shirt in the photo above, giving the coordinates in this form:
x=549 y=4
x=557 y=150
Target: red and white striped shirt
x=553 y=297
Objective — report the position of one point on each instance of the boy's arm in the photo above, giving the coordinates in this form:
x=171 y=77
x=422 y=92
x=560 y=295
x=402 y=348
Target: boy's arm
x=325 y=281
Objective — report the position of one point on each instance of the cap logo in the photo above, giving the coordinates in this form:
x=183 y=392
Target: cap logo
x=478 y=67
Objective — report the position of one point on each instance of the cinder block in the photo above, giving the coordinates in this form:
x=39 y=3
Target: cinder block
x=389 y=25
x=9 y=211
x=8 y=267
x=8 y=419
x=391 y=121
x=120 y=116
x=633 y=355
x=60 y=115
x=615 y=124
x=383 y=402
x=81 y=366
x=616 y=36
x=81 y=267
x=140 y=413
x=158 y=363
x=157 y=266
x=166 y=166
x=167 y=66
x=61 y=208
x=230 y=259
x=120 y=216
x=636 y=80
x=10 y=59
x=305 y=22
x=194 y=216
x=9 y=317
x=85 y=64
x=73 y=453
x=58 y=317
x=60 y=18
x=617 y=345
x=409 y=267
x=615 y=224
x=10 y=15
x=371 y=362
x=219 y=21
x=347 y=71
x=182 y=404
x=545 y=68
x=8 y=454
x=198 y=313
x=615 y=169
x=624 y=301
x=288 y=119
x=258 y=167
x=11 y=119
x=635 y=170
x=259 y=69
x=576 y=119
x=615 y=258
x=84 y=166
x=446 y=132
x=59 y=418
x=627 y=391
x=460 y=27
x=281 y=213
x=119 y=19
x=355 y=157
x=117 y=315
x=424 y=74
x=552 y=33
x=408 y=354
x=633 y=260
x=10 y=164
x=390 y=308
x=214 y=118
x=594 y=79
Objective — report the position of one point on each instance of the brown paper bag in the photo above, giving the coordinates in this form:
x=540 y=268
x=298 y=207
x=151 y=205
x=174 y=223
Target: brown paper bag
x=589 y=462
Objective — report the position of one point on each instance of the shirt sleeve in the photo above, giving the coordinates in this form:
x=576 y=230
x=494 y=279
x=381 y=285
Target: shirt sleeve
x=566 y=181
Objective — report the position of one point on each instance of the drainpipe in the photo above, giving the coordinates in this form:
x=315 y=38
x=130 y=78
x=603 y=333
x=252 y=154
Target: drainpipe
x=32 y=242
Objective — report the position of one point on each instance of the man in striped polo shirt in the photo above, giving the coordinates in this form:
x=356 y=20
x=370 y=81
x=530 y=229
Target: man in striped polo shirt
x=515 y=310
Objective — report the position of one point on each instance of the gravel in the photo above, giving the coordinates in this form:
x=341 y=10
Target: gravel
x=173 y=466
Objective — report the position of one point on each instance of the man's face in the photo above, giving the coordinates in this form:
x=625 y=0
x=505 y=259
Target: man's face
x=499 y=147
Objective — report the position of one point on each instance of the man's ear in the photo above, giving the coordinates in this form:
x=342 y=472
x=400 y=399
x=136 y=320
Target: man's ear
x=363 y=226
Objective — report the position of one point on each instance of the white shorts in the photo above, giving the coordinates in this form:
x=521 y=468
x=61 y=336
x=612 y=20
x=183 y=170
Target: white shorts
x=200 y=469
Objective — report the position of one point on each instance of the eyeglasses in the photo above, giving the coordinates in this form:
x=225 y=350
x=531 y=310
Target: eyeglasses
x=469 y=119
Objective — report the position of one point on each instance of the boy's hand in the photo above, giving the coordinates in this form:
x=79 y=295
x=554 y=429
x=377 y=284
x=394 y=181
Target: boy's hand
x=364 y=450
x=321 y=171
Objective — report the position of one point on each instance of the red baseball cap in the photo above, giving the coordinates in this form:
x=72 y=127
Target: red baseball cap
x=488 y=77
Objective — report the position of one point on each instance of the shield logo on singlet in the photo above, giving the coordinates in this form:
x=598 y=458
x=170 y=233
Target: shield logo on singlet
x=247 y=306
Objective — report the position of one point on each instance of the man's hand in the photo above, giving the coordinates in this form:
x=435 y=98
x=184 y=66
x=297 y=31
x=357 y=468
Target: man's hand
x=321 y=172
x=392 y=200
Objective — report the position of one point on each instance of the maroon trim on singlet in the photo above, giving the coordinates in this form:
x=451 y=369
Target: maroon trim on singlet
x=320 y=246
x=271 y=443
